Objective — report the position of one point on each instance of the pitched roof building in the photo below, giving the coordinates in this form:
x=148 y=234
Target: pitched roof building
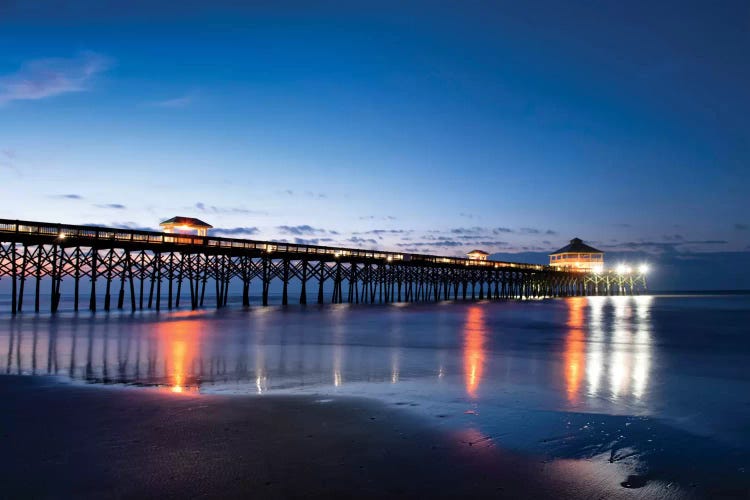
x=477 y=255
x=181 y=224
x=577 y=256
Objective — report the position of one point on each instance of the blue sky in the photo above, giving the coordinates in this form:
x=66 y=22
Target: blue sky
x=421 y=127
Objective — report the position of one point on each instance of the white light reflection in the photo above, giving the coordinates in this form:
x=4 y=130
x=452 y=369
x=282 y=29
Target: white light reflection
x=595 y=354
x=338 y=346
x=630 y=347
x=642 y=346
x=395 y=363
x=620 y=357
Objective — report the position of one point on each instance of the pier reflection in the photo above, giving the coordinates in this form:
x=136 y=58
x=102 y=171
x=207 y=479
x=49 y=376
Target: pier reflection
x=474 y=349
x=574 y=348
x=605 y=352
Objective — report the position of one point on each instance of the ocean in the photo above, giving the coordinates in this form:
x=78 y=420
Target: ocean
x=656 y=388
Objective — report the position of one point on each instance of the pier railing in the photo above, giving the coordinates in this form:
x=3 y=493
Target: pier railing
x=99 y=236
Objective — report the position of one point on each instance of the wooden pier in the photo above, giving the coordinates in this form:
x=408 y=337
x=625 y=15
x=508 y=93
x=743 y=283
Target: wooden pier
x=152 y=270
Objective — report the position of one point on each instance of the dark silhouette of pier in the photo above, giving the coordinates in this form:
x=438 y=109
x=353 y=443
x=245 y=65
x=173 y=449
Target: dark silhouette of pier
x=145 y=269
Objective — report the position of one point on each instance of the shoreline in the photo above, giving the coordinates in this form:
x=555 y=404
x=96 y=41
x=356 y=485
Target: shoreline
x=120 y=442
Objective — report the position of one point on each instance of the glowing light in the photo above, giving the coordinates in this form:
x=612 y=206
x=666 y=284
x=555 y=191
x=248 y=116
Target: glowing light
x=62 y=236
x=622 y=269
x=643 y=268
x=574 y=357
x=474 y=338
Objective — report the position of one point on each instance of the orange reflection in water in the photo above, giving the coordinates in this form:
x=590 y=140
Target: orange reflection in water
x=181 y=342
x=474 y=338
x=574 y=357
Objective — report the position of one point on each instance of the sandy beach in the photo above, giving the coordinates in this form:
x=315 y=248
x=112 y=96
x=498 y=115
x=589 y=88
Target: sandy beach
x=67 y=441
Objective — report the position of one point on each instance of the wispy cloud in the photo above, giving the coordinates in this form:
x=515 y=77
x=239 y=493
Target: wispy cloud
x=533 y=230
x=114 y=206
x=8 y=160
x=741 y=227
x=70 y=196
x=213 y=209
x=673 y=246
x=377 y=217
x=236 y=231
x=128 y=225
x=176 y=102
x=361 y=241
x=42 y=78
x=301 y=230
x=312 y=241
x=306 y=194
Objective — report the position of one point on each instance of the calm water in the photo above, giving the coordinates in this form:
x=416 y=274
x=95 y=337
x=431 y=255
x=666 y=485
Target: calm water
x=657 y=386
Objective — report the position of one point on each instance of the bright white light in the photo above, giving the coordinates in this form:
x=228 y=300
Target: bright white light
x=643 y=269
x=61 y=236
x=622 y=269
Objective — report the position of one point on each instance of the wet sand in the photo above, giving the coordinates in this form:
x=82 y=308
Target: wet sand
x=61 y=441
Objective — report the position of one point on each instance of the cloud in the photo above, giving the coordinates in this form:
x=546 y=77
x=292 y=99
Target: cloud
x=622 y=224
x=8 y=160
x=115 y=206
x=467 y=230
x=674 y=237
x=741 y=227
x=381 y=232
x=670 y=247
x=177 y=102
x=236 y=231
x=311 y=241
x=499 y=230
x=533 y=230
x=360 y=241
x=377 y=217
x=213 y=209
x=128 y=225
x=438 y=243
x=67 y=196
x=307 y=194
x=468 y=216
x=300 y=230
x=42 y=78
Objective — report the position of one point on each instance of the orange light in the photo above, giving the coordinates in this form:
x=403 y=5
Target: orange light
x=573 y=357
x=474 y=338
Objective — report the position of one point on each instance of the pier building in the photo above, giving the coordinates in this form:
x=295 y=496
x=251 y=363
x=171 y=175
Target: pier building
x=577 y=256
x=477 y=255
x=184 y=225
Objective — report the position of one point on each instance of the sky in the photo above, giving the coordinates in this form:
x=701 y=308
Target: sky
x=430 y=127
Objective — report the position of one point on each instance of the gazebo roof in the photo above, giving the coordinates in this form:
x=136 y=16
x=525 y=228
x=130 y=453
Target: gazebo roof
x=186 y=221
x=480 y=252
x=577 y=246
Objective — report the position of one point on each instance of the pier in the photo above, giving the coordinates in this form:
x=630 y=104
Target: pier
x=152 y=270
